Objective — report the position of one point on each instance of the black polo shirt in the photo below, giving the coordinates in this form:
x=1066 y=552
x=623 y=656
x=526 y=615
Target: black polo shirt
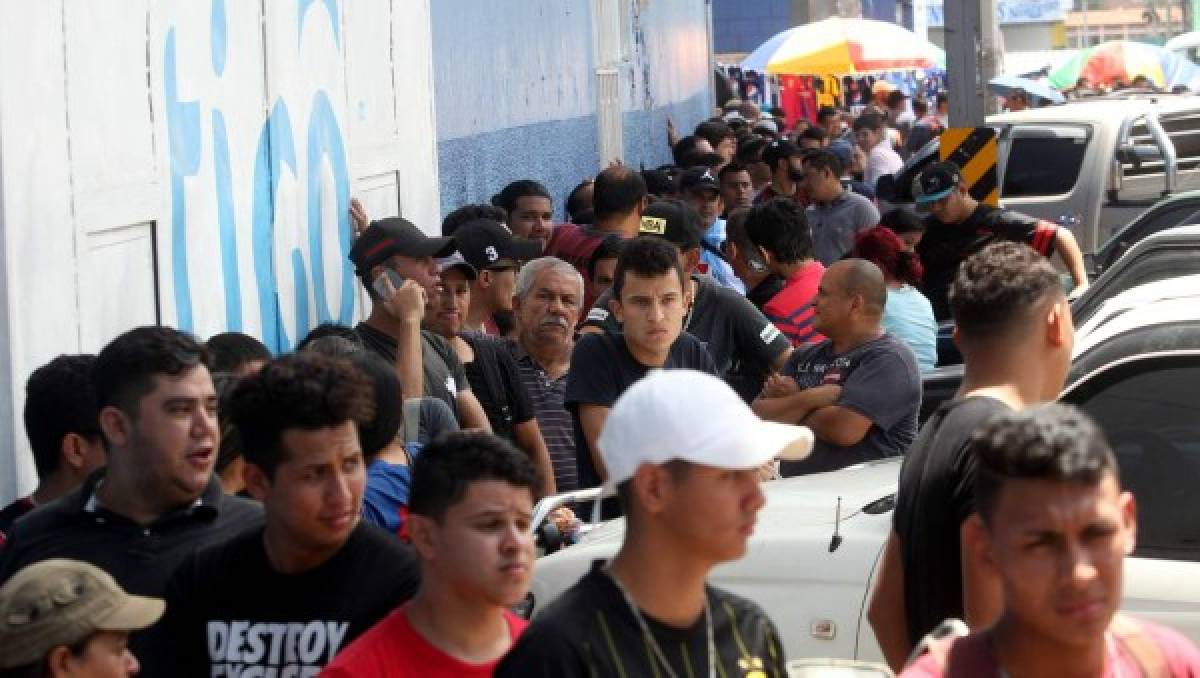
x=140 y=557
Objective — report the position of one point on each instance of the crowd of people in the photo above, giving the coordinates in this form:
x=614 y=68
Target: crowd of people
x=363 y=506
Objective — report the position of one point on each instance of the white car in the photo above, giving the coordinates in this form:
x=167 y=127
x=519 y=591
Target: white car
x=812 y=559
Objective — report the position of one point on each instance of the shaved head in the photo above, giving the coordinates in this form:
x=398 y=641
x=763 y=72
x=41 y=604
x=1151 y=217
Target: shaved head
x=859 y=277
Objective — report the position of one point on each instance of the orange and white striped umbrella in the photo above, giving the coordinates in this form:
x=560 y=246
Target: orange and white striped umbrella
x=838 y=46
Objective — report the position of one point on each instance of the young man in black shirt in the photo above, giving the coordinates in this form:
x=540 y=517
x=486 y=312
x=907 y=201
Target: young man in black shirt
x=958 y=226
x=1016 y=336
x=649 y=301
x=63 y=431
x=285 y=598
x=744 y=345
x=859 y=390
x=683 y=452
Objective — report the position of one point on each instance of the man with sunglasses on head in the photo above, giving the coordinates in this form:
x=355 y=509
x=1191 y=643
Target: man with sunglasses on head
x=959 y=226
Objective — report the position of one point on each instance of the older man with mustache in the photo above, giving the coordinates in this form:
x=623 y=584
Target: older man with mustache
x=547 y=300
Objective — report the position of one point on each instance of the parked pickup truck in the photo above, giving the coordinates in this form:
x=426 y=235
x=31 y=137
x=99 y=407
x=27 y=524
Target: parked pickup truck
x=1092 y=165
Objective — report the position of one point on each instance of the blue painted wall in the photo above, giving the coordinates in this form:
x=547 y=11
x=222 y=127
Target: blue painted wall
x=515 y=90
x=741 y=26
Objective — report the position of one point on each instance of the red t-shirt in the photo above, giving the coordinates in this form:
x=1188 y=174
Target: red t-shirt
x=1180 y=655
x=792 y=308
x=393 y=649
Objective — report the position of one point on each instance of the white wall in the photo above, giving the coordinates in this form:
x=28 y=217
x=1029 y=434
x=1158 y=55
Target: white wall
x=189 y=162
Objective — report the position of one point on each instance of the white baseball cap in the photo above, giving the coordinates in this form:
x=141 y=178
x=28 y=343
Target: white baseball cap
x=694 y=417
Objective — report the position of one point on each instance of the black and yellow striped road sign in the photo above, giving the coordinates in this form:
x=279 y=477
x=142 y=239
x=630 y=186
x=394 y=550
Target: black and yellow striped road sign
x=973 y=149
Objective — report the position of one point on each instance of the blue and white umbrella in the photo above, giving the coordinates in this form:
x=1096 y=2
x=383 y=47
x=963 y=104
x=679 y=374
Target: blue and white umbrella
x=1005 y=84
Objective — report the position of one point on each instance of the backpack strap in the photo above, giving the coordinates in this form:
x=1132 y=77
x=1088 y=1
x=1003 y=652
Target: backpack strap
x=486 y=360
x=1140 y=645
x=970 y=657
x=962 y=656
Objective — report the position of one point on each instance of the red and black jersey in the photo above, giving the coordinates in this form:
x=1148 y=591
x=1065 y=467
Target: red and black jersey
x=945 y=246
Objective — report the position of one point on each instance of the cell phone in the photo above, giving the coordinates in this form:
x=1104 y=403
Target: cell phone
x=396 y=278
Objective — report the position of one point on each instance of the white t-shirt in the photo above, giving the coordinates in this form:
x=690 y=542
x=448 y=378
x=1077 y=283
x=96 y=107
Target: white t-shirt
x=883 y=159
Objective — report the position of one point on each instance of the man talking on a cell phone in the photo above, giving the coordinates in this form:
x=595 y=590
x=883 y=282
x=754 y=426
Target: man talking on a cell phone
x=396 y=263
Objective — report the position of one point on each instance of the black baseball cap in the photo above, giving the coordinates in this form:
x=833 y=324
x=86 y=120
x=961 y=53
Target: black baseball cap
x=780 y=150
x=386 y=238
x=699 y=179
x=485 y=244
x=935 y=182
x=673 y=220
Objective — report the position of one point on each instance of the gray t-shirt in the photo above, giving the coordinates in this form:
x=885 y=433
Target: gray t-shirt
x=741 y=341
x=880 y=381
x=835 y=225
x=444 y=375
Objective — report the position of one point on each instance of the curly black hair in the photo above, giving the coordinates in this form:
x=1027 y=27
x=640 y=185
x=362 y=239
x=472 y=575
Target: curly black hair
x=299 y=391
x=447 y=467
x=997 y=289
x=1051 y=442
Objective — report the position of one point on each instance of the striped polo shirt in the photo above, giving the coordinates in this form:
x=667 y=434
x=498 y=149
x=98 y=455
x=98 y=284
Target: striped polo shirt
x=546 y=396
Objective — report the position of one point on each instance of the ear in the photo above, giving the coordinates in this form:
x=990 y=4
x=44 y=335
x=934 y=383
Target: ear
x=691 y=259
x=485 y=279
x=73 y=451
x=643 y=204
x=614 y=307
x=422 y=532
x=258 y=483
x=58 y=661
x=1056 y=323
x=765 y=255
x=1129 y=520
x=978 y=543
x=651 y=485
x=116 y=426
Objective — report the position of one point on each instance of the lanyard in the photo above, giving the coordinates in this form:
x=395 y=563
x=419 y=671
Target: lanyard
x=649 y=637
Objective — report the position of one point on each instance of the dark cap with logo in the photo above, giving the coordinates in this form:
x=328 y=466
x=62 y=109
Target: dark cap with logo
x=780 y=150
x=935 y=182
x=673 y=220
x=386 y=238
x=696 y=179
x=485 y=244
